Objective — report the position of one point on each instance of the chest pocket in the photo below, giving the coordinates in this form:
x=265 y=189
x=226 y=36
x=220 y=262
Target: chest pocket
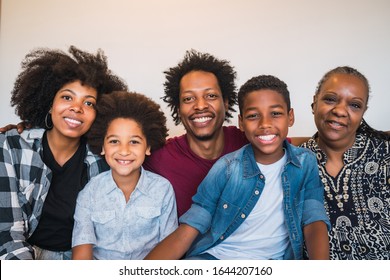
x=148 y=212
x=224 y=215
x=103 y=217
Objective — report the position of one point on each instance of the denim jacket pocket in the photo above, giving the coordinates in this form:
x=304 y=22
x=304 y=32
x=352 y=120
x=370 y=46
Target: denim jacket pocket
x=225 y=212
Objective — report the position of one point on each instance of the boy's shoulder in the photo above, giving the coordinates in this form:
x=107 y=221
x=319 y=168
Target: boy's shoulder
x=298 y=155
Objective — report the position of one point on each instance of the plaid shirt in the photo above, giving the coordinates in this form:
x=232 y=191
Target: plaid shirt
x=24 y=184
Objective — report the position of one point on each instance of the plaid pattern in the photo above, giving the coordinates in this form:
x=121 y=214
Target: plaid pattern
x=24 y=184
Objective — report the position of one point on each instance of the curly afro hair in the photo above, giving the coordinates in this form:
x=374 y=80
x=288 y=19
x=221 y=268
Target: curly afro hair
x=263 y=82
x=196 y=61
x=128 y=105
x=45 y=71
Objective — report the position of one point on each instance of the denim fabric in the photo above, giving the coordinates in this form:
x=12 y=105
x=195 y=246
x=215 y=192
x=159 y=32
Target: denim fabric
x=43 y=254
x=233 y=186
x=124 y=230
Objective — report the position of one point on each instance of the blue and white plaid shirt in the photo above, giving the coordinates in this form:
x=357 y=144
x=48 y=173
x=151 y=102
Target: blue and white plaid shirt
x=24 y=184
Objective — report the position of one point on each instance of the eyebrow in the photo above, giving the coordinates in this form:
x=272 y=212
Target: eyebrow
x=272 y=107
x=74 y=93
x=116 y=135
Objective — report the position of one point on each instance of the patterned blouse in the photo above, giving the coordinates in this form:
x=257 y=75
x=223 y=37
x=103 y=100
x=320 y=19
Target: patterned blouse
x=357 y=201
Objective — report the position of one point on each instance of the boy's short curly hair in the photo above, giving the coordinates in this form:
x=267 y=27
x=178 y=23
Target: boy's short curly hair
x=196 y=61
x=45 y=71
x=263 y=82
x=128 y=105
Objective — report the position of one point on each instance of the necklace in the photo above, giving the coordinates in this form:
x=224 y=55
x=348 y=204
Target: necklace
x=332 y=187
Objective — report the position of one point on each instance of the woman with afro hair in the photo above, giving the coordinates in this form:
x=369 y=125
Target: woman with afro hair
x=43 y=169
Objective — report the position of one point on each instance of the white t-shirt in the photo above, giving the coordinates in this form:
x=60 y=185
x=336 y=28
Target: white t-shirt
x=263 y=234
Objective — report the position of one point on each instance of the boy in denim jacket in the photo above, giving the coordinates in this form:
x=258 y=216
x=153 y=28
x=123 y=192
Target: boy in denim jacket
x=263 y=201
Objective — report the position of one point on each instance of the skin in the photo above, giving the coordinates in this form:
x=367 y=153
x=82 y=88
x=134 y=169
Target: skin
x=202 y=111
x=265 y=122
x=264 y=114
x=124 y=148
x=338 y=111
x=72 y=113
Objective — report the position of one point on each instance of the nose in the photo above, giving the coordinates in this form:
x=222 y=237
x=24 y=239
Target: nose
x=201 y=104
x=77 y=107
x=124 y=149
x=340 y=109
x=264 y=122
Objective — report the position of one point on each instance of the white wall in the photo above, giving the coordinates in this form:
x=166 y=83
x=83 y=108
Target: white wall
x=296 y=40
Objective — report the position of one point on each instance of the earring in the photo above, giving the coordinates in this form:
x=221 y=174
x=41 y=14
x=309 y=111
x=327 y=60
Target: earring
x=48 y=121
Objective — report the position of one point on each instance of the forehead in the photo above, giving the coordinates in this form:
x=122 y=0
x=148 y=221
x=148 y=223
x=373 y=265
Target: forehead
x=342 y=83
x=198 y=80
x=124 y=126
x=263 y=98
x=78 y=89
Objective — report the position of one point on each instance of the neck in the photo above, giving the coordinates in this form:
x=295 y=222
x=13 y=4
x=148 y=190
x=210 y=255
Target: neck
x=335 y=148
x=208 y=149
x=62 y=148
x=127 y=184
x=335 y=155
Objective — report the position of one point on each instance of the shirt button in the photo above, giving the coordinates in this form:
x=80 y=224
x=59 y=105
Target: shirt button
x=261 y=177
x=257 y=192
x=243 y=216
x=222 y=237
x=225 y=206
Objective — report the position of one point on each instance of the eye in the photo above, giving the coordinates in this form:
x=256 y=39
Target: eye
x=188 y=99
x=329 y=99
x=356 y=105
x=66 y=97
x=113 y=141
x=252 y=116
x=89 y=103
x=212 y=96
x=134 y=142
x=276 y=114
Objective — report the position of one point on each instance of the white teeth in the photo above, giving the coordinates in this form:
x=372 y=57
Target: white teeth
x=123 y=161
x=72 y=121
x=203 y=119
x=336 y=124
x=267 y=137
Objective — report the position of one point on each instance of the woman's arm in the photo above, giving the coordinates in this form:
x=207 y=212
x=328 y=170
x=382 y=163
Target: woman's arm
x=175 y=245
x=82 y=252
x=317 y=240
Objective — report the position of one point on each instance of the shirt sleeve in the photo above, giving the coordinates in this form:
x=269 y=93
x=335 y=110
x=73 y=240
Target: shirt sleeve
x=205 y=201
x=314 y=209
x=13 y=222
x=83 y=229
x=168 y=219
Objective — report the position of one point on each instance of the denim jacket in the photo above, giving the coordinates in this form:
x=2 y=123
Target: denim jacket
x=233 y=186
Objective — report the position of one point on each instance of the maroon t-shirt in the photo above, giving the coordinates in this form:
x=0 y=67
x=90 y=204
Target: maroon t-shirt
x=184 y=169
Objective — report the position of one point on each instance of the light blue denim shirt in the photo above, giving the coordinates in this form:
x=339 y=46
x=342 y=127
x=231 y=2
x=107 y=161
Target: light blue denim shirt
x=233 y=186
x=120 y=230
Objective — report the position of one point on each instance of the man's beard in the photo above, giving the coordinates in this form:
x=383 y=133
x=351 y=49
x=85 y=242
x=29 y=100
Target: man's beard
x=205 y=137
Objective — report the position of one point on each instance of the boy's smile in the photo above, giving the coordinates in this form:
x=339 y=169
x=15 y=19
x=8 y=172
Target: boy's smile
x=265 y=121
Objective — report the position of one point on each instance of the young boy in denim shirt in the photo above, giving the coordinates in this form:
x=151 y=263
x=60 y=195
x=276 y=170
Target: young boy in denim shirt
x=263 y=201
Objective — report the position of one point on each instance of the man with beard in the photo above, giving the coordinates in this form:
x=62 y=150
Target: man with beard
x=201 y=93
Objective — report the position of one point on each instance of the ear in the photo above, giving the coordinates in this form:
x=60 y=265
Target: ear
x=291 y=117
x=102 y=153
x=226 y=104
x=148 y=152
x=312 y=104
x=240 y=123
